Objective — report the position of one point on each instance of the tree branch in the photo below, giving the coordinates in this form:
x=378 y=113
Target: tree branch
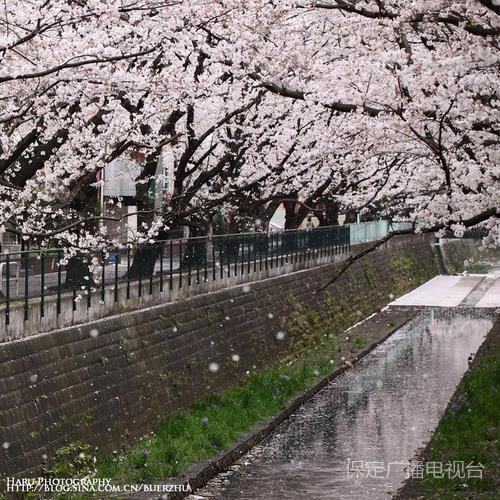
x=76 y=64
x=471 y=27
x=341 y=107
x=473 y=221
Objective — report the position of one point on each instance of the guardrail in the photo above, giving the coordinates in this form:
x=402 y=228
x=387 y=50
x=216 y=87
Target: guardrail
x=362 y=232
x=32 y=278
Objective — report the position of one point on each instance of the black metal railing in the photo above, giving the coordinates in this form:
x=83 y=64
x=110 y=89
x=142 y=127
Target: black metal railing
x=42 y=273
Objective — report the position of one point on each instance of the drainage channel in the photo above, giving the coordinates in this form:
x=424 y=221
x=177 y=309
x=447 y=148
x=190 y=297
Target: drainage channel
x=354 y=439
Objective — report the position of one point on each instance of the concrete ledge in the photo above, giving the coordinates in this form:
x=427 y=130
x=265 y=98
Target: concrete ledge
x=150 y=295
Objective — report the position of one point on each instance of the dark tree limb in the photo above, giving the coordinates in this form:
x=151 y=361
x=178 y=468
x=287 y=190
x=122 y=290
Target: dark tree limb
x=491 y=6
x=473 y=28
x=473 y=221
x=78 y=63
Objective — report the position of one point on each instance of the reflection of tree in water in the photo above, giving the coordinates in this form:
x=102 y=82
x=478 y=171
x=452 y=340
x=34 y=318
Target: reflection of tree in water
x=342 y=416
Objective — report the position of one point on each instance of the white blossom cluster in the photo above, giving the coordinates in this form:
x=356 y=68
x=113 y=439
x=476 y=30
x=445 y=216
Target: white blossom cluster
x=376 y=106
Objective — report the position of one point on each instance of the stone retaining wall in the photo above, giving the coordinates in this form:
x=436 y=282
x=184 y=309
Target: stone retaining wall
x=109 y=381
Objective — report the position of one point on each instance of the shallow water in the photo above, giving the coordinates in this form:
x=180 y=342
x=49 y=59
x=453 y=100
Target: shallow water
x=354 y=439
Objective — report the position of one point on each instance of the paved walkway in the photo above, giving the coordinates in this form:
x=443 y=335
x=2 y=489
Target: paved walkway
x=473 y=290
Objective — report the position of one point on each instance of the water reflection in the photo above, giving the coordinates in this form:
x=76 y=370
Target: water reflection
x=380 y=412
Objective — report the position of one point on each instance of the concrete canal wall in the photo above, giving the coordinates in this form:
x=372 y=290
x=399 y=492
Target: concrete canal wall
x=457 y=253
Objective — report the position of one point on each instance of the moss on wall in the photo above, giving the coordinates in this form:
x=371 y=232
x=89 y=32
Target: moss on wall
x=366 y=290
x=152 y=363
x=408 y=272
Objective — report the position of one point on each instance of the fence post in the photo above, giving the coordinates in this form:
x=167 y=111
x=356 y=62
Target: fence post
x=180 y=263
x=282 y=249
x=161 y=266
x=249 y=253
x=7 y=290
x=128 y=272
x=272 y=249
x=89 y=290
x=214 y=275
x=188 y=253
x=103 y=276
x=59 y=279
x=26 y=285
x=42 y=285
x=152 y=268
x=117 y=253
x=139 y=270
x=171 y=266
x=241 y=243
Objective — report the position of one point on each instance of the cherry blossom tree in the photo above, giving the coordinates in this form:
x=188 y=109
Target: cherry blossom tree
x=414 y=88
x=383 y=107
x=84 y=82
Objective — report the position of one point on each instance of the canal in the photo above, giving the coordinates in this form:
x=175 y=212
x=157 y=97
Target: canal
x=354 y=439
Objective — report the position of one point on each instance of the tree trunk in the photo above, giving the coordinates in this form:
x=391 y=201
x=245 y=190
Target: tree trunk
x=78 y=273
x=143 y=263
x=350 y=217
x=330 y=216
x=145 y=257
x=294 y=214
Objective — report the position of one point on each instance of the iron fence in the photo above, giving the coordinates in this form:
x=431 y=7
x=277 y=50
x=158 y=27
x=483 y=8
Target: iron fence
x=29 y=277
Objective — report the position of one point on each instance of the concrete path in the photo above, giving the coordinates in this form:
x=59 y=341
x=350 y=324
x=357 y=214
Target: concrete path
x=473 y=290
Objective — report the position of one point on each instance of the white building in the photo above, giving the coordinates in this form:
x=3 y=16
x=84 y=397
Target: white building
x=118 y=196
